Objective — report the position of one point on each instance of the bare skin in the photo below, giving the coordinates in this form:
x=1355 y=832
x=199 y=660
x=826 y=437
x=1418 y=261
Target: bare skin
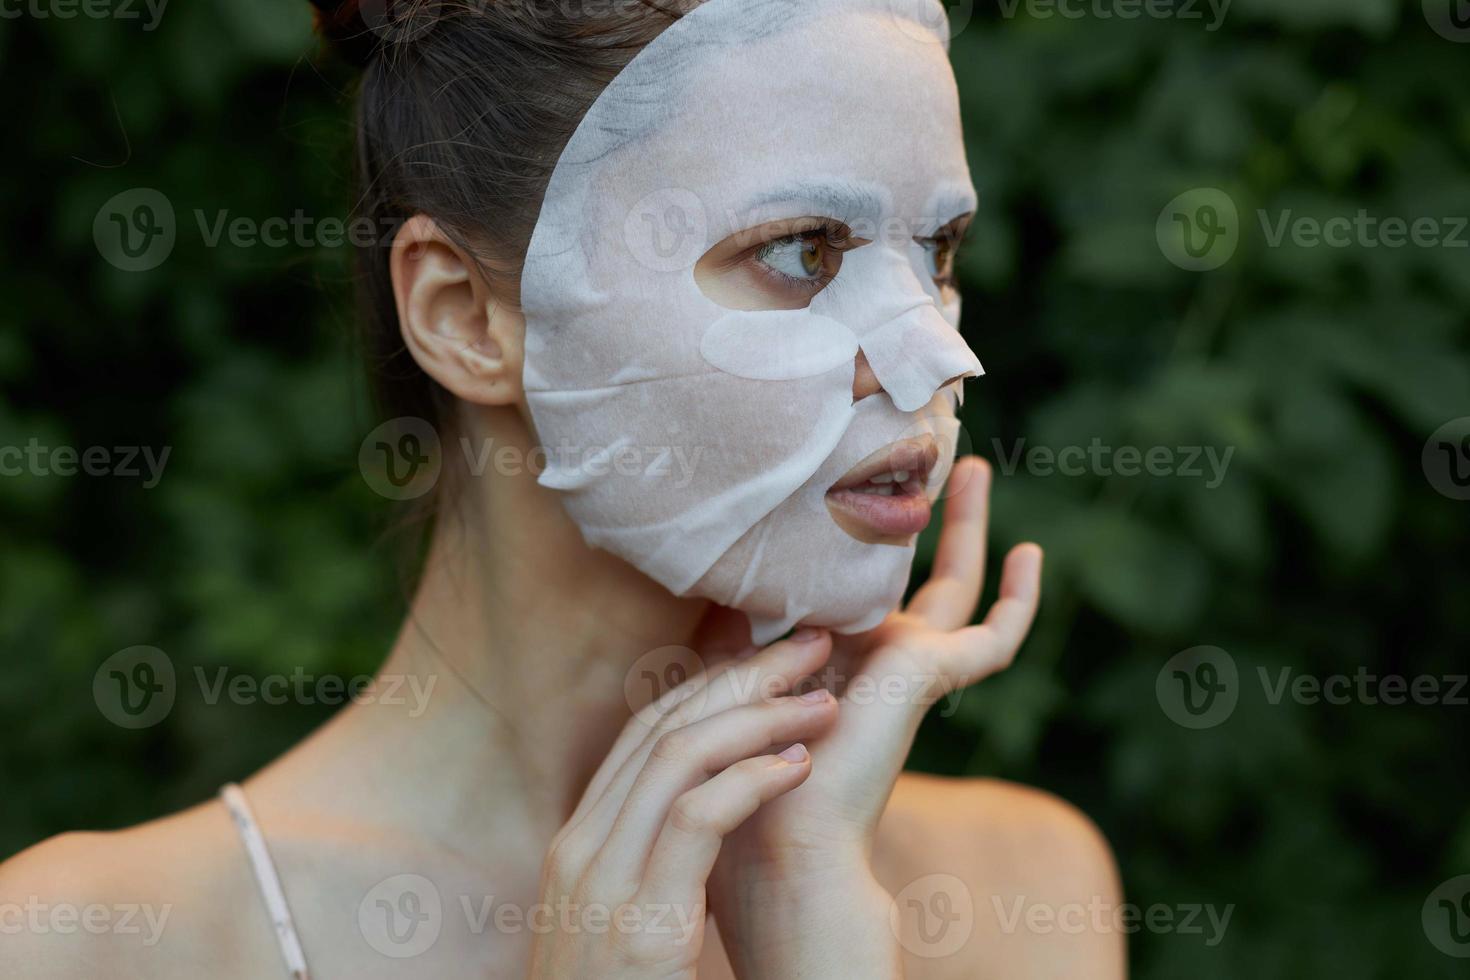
x=528 y=636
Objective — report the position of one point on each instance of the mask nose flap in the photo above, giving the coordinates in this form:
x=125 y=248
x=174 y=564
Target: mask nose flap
x=915 y=354
x=910 y=345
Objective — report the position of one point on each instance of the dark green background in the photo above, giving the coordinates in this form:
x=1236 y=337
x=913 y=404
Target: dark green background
x=1326 y=549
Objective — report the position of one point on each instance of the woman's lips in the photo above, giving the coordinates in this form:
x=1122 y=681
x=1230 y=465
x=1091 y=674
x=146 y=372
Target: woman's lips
x=882 y=500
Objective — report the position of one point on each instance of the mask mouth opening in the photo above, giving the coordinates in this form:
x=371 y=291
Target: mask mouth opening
x=885 y=498
x=898 y=466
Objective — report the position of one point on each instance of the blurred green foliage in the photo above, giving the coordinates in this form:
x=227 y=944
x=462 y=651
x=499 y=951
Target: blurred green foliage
x=1322 y=370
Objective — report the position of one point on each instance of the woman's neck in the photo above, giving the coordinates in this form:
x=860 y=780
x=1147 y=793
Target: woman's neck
x=519 y=642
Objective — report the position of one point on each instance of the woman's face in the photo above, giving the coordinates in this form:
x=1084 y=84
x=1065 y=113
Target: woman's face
x=741 y=316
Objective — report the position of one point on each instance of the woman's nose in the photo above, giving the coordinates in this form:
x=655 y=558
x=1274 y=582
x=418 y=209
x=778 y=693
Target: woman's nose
x=864 y=381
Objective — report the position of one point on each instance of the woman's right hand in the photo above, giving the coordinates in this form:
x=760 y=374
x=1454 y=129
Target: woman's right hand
x=624 y=880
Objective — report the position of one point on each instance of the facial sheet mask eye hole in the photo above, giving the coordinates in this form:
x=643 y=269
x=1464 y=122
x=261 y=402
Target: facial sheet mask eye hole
x=940 y=249
x=779 y=265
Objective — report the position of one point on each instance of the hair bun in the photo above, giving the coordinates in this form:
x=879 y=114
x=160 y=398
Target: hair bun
x=353 y=27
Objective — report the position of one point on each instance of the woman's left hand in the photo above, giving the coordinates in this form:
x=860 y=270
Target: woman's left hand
x=788 y=872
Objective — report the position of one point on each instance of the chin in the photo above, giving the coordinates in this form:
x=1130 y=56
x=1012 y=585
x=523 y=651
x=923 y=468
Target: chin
x=798 y=566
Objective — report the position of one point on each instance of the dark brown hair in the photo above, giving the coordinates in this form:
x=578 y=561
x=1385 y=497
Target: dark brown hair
x=463 y=109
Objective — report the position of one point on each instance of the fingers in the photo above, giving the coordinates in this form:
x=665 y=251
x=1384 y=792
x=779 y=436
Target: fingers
x=917 y=670
x=682 y=759
x=689 y=840
x=979 y=651
x=690 y=830
x=771 y=672
x=948 y=599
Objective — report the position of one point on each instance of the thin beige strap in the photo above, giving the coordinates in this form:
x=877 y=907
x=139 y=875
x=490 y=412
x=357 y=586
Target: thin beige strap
x=265 y=874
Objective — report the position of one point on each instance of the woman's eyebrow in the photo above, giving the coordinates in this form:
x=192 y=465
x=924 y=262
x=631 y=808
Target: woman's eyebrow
x=844 y=200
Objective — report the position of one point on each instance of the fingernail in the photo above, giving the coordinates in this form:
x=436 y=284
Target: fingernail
x=814 y=697
x=807 y=634
x=796 y=753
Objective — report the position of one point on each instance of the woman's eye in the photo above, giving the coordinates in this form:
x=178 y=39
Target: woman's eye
x=940 y=252
x=940 y=249
x=801 y=256
x=780 y=265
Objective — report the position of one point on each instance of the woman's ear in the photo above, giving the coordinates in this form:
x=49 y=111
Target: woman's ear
x=463 y=335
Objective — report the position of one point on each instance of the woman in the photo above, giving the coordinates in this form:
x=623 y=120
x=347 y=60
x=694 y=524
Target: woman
x=693 y=268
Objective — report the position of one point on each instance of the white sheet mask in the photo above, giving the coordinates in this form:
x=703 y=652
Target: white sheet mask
x=698 y=442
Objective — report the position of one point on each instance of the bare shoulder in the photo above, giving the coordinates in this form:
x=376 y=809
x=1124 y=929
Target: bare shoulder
x=997 y=879
x=168 y=898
